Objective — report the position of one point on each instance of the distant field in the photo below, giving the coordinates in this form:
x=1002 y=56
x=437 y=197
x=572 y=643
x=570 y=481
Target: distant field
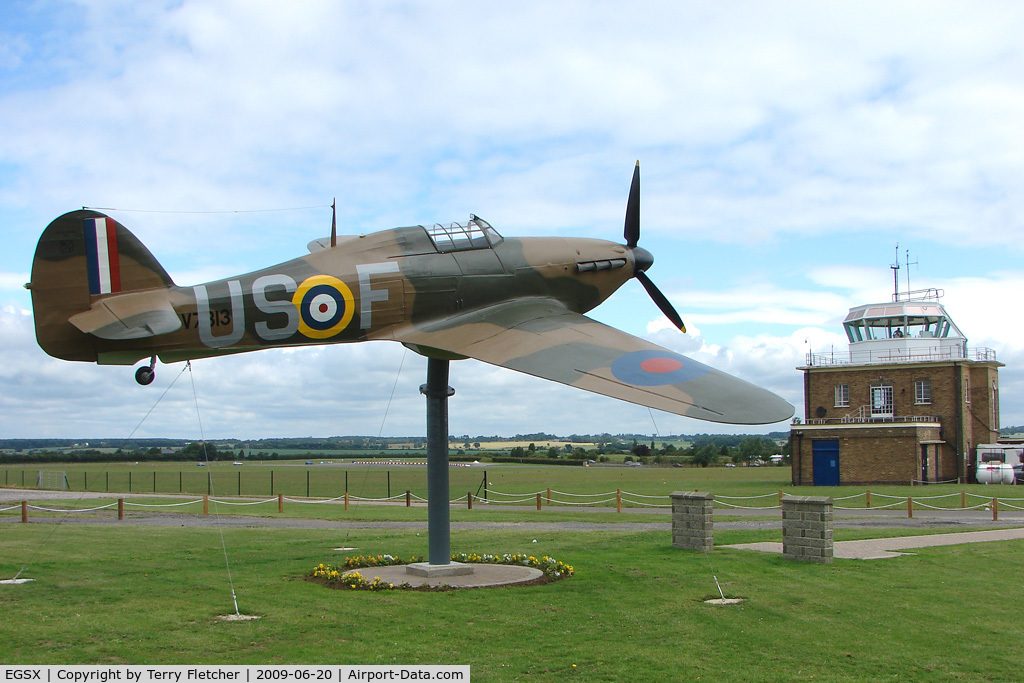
x=295 y=478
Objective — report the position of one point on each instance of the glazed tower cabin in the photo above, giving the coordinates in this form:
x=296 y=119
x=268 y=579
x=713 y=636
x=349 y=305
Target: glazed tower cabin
x=909 y=403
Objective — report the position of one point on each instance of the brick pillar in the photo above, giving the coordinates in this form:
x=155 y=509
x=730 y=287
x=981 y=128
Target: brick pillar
x=693 y=527
x=807 y=528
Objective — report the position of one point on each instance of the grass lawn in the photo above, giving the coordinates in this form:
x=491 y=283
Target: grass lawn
x=634 y=611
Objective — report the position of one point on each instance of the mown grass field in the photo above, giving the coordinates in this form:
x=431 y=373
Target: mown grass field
x=295 y=478
x=634 y=611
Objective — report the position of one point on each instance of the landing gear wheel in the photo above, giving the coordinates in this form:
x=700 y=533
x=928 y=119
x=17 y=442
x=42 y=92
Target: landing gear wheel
x=145 y=375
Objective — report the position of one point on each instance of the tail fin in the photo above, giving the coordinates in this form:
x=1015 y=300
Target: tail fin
x=83 y=257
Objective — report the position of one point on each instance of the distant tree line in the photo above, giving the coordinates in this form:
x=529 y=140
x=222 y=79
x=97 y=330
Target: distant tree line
x=192 y=451
x=702 y=449
x=706 y=450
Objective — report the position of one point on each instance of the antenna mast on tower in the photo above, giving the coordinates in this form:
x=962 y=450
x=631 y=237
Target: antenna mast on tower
x=908 y=264
x=896 y=275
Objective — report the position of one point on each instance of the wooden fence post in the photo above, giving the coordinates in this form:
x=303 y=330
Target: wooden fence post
x=963 y=499
x=549 y=495
x=780 y=497
x=538 y=501
x=995 y=509
x=408 y=498
x=910 y=507
x=206 y=504
x=120 y=509
x=24 y=512
x=280 y=502
x=618 y=500
x=469 y=500
x=868 y=494
x=346 y=500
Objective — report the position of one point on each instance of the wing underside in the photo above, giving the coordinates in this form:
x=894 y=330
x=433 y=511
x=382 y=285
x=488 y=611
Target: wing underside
x=541 y=337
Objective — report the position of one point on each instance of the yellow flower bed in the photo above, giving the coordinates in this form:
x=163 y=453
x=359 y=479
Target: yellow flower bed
x=552 y=568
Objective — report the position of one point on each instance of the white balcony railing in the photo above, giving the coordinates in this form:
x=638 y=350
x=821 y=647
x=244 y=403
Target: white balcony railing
x=887 y=356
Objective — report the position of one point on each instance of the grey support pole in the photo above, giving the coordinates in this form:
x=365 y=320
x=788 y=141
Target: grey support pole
x=437 y=392
x=439 y=554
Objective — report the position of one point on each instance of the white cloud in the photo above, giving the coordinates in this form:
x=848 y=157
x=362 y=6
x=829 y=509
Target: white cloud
x=801 y=129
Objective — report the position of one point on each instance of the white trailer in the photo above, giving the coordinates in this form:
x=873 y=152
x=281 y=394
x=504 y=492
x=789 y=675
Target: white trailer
x=999 y=463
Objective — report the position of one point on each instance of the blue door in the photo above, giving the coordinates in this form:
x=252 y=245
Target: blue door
x=825 y=454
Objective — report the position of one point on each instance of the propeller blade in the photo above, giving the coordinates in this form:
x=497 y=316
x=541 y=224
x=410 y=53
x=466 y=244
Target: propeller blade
x=660 y=300
x=632 y=227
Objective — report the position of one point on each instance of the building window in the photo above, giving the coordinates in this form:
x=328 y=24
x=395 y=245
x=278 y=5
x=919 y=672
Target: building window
x=967 y=391
x=922 y=392
x=881 y=400
x=842 y=396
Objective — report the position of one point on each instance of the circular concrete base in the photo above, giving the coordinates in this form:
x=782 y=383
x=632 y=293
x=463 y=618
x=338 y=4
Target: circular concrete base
x=724 y=601
x=483 y=575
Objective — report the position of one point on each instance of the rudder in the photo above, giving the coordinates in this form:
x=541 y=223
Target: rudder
x=83 y=257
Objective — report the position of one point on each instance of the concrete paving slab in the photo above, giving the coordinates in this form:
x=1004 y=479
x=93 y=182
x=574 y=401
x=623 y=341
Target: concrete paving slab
x=884 y=548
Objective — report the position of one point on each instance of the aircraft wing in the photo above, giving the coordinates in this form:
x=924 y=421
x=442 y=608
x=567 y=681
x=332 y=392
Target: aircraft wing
x=543 y=338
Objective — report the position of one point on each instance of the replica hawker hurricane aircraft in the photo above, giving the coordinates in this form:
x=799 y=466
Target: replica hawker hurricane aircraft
x=446 y=291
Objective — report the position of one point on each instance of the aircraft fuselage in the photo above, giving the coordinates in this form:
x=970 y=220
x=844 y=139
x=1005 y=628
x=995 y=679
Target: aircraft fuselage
x=365 y=285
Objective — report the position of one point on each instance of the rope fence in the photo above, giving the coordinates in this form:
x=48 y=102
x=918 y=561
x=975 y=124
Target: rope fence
x=564 y=499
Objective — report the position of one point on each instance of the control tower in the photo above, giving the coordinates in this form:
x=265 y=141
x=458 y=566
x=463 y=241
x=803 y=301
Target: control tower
x=908 y=401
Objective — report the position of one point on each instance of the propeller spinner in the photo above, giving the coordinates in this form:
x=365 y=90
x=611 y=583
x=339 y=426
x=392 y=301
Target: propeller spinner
x=642 y=258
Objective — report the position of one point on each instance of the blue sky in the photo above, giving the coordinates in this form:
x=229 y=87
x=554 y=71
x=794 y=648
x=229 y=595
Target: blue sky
x=786 y=149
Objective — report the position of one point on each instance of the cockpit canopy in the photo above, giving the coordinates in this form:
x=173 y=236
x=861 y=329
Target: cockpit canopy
x=476 y=234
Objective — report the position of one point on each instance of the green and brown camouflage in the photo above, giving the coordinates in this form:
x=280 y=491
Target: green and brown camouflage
x=447 y=291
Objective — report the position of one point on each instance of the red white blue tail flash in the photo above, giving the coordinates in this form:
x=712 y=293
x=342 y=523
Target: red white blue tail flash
x=101 y=255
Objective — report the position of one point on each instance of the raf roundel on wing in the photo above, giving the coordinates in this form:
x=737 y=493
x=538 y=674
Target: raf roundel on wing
x=655 y=368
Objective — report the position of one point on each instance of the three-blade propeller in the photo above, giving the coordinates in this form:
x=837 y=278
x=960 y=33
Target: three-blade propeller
x=641 y=257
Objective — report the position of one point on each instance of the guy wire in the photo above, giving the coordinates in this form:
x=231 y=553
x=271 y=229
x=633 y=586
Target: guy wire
x=706 y=557
x=81 y=497
x=387 y=409
x=216 y=509
x=293 y=208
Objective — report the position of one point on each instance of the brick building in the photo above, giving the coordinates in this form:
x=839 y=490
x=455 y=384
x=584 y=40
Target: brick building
x=908 y=404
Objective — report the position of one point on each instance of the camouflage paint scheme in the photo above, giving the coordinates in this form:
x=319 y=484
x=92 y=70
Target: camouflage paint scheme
x=452 y=291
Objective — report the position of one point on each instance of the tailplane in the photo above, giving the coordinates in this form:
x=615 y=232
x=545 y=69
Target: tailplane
x=83 y=258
